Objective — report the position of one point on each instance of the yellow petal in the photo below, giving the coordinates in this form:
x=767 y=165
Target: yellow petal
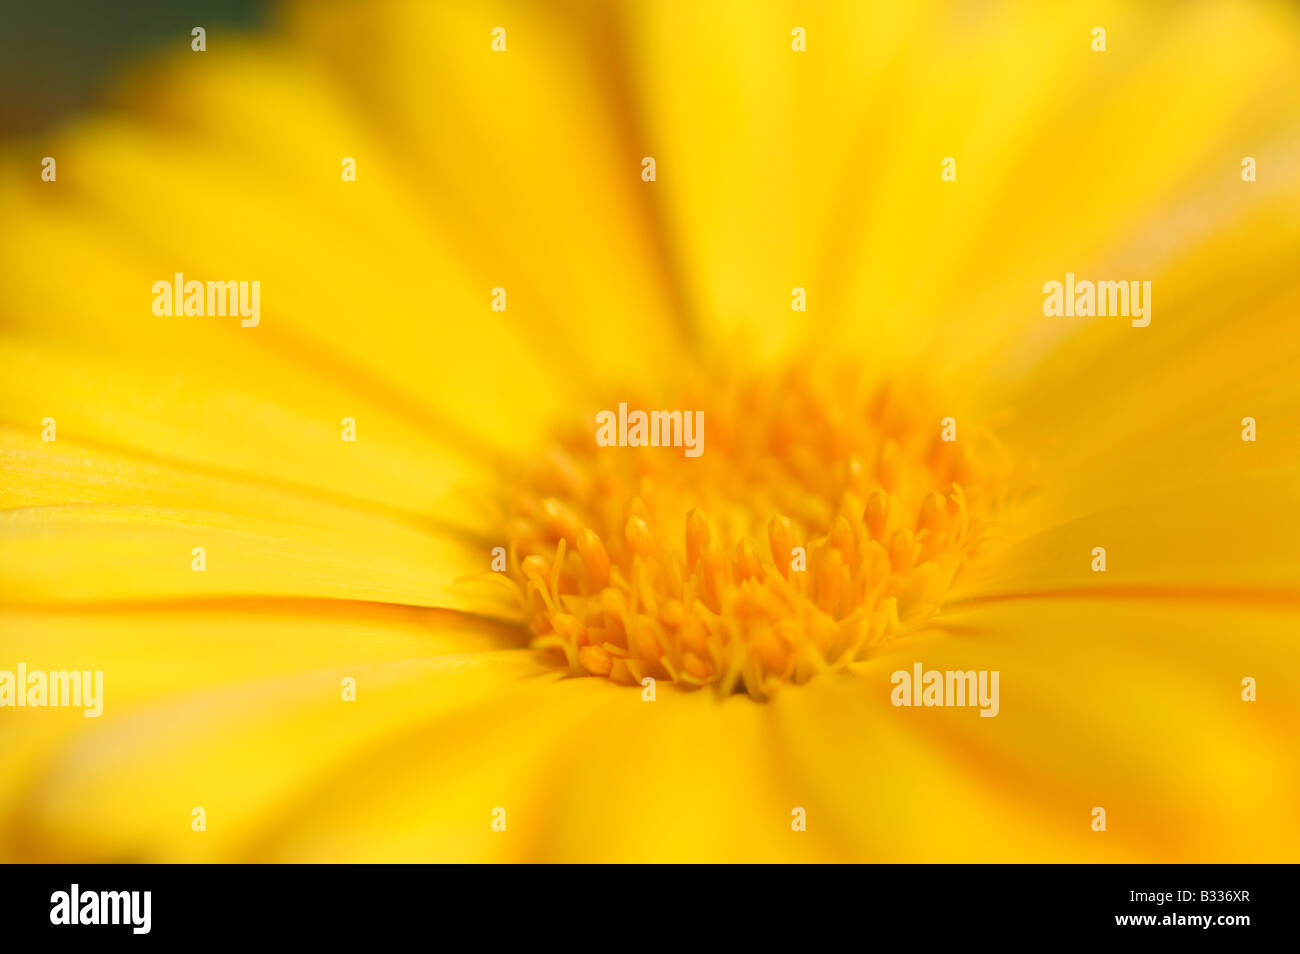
x=281 y=430
x=688 y=777
x=531 y=158
x=95 y=553
x=249 y=733
x=1134 y=706
x=435 y=791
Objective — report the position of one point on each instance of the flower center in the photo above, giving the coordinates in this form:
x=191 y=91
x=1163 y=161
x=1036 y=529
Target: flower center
x=821 y=520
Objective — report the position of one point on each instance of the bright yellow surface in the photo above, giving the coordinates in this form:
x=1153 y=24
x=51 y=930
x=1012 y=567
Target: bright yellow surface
x=329 y=560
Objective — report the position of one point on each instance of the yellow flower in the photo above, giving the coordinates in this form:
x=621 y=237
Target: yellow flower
x=306 y=652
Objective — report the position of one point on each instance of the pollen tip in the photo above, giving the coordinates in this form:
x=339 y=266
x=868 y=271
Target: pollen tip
x=748 y=566
x=697 y=536
x=596 y=660
x=638 y=536
x=560 y=521
x=901 y=547
x=535 y=568
x=595 y=559
x=877 y=514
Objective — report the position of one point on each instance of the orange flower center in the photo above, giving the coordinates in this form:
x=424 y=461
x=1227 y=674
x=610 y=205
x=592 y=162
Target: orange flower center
x=820 y=521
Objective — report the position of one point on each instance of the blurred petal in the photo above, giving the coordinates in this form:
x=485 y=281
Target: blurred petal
x=240 y=744
x=433 y=791
x=686 y=778
x=528 y=158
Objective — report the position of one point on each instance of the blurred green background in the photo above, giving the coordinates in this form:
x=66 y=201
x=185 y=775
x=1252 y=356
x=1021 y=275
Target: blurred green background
x=59 y=56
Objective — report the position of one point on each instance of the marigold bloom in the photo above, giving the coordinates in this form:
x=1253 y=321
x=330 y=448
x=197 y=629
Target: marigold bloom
x=204 y=531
